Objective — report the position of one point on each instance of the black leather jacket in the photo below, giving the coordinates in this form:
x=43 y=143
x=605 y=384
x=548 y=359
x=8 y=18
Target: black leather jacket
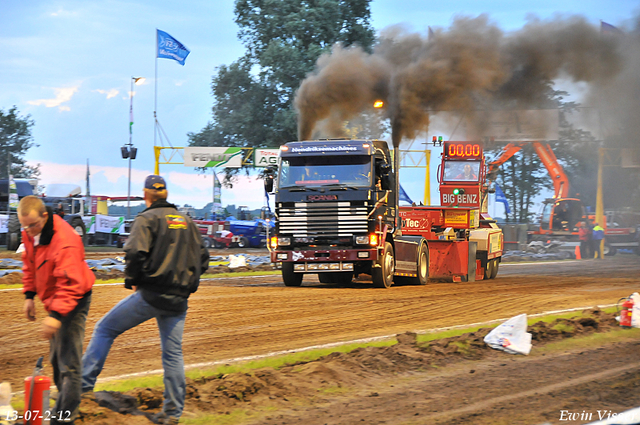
x=165 y=256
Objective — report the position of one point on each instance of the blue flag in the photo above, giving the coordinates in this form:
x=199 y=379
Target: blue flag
x=266 y=194
x=501 y=198
x=170 y=48
x=609 y=29
x=404 y=197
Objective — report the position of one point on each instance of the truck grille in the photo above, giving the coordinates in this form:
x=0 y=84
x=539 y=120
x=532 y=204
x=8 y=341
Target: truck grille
x=327 y=219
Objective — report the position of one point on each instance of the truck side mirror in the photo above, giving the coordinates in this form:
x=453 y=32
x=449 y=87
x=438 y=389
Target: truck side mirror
x=268 y=180
x=385 y=177
x=385 y=182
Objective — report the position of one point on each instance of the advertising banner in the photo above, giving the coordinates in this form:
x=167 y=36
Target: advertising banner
x=199 y=156
x=103 y=224
x=4 y=221
x=13 y=194
x=265 y=157
x=217 y=195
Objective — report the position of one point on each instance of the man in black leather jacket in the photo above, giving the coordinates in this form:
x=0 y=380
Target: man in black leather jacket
x=165 y=256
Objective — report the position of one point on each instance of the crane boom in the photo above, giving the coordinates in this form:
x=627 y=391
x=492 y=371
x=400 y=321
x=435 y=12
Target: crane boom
x=548 y=158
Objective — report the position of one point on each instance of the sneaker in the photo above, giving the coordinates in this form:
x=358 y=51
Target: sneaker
x=162 y=419
x=88 y=395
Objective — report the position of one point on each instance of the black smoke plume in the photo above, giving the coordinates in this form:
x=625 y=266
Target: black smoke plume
x=470 y=68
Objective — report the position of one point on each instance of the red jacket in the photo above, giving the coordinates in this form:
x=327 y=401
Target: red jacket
x=55 y=269
x=583 y=233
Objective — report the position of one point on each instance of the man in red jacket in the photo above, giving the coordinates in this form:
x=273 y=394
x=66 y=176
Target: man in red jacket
x=55 y=270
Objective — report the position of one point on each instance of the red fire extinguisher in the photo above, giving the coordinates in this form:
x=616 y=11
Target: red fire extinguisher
x=625 y=313
x=36 y=396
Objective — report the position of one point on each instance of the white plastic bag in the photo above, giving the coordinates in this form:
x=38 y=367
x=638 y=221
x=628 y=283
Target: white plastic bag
x=236 y=261
x=6 y=411
x=635 y=311
x=511 y=336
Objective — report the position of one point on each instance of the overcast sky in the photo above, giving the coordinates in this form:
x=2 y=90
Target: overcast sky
x=68 y=64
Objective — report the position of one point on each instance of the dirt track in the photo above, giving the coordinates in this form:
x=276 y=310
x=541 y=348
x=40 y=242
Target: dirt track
x=230 y=318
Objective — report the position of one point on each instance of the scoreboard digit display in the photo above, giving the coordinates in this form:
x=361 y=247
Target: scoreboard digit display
x=462 y=150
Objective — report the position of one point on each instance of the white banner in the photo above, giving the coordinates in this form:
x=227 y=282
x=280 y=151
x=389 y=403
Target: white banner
x=103 y=224
x=13 y=194
x=265 y=157
x=4 y=221
x=199 y=156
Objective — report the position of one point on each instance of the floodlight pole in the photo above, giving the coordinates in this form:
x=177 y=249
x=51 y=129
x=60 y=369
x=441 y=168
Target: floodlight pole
x=134 y=80
x=130 y=145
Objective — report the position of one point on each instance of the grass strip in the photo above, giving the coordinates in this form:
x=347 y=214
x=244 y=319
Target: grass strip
x=280 y=361
x=431 y=336
x=275 y=362
x=234 y=274
x=204 y=276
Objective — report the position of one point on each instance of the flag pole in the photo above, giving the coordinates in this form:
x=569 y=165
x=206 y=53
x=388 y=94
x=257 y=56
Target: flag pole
x=155 y=100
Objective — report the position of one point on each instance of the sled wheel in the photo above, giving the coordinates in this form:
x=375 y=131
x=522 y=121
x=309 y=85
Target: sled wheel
x=496 y=266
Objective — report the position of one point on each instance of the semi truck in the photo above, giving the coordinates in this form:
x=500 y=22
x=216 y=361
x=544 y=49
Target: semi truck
x=338 y=216
x=233 y=233
x=73 y=210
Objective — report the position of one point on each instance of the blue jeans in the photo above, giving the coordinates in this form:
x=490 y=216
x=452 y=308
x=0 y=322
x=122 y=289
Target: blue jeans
x=128 y=313
x=66 y=359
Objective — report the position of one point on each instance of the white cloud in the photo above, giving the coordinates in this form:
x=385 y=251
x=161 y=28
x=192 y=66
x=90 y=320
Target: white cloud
x=62 y=12
x=62 y=95
x=110 y=93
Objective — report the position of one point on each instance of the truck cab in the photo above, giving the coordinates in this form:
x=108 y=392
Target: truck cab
x=333 y=200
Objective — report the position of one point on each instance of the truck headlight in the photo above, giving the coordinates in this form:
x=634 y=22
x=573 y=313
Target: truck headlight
x=284 y=241
x=362 y=240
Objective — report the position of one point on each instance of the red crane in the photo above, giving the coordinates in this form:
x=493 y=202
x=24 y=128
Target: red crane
x=560 y=214
x=548 y=158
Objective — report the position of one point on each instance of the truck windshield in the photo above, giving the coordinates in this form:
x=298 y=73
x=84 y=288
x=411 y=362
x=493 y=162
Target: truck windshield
x=348 y=170
x=457 y=171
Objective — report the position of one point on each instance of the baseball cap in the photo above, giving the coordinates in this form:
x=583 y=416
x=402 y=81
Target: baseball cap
x=155 y=182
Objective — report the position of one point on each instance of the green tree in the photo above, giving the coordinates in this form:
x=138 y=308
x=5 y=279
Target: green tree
x=522 y=178
x=253 y=96
x=15 y=141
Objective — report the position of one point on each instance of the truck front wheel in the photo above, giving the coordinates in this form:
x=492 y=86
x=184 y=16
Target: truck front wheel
x=383 y=276
x=610 y=250
x=13 y=234
x=289 y=277
x=78 y=226
x=325 y=277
